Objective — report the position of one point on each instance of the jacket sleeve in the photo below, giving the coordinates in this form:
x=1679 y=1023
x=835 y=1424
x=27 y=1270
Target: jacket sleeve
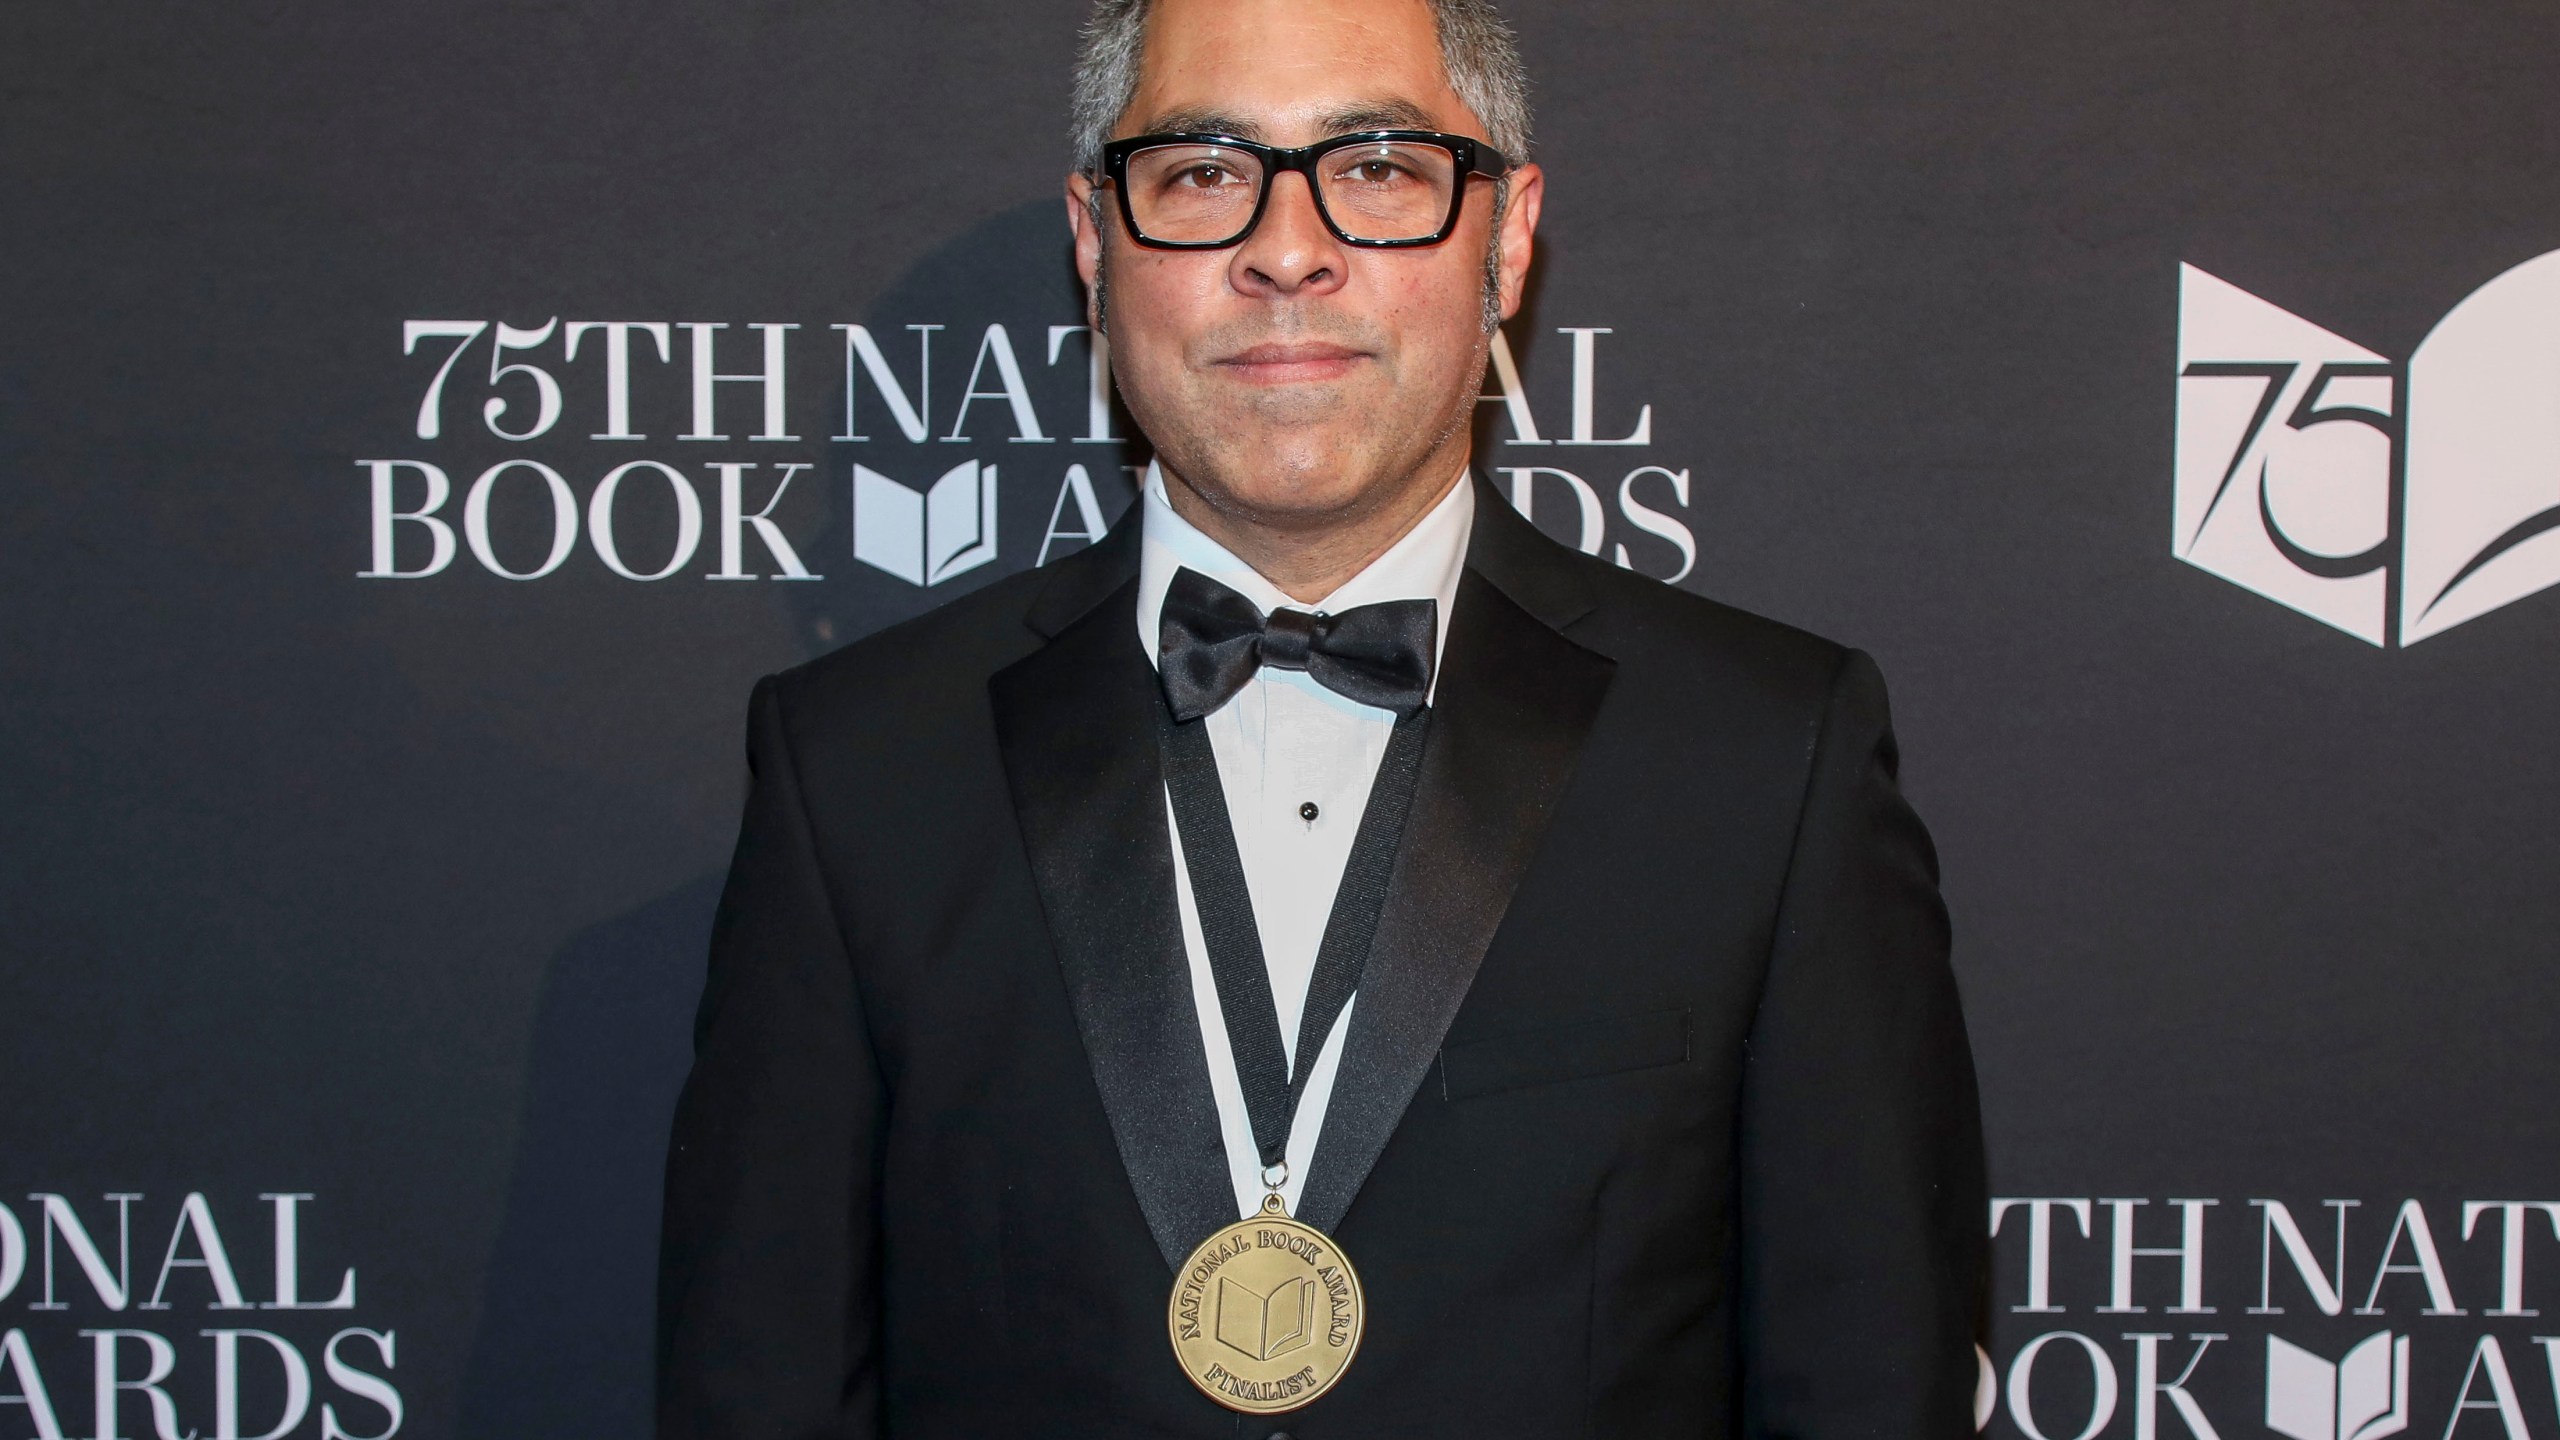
x=1862 y=1191
x=768 y=1276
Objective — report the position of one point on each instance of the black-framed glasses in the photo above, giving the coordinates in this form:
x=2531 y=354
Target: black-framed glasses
x=1384 y=188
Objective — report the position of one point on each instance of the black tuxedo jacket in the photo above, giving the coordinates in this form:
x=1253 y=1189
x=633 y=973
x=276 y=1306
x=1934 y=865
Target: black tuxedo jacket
x=1655 y=1117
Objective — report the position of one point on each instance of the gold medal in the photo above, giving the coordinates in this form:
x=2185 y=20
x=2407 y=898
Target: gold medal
x=1266 y=1314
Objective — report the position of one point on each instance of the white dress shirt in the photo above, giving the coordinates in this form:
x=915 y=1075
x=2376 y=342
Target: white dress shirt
x=1284 y=742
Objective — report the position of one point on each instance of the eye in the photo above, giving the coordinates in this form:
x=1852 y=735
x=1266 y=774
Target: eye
x=1373 y=168
x=1205 y=175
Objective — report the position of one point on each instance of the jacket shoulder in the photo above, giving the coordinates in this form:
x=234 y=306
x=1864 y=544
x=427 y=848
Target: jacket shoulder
x=1664 y=636
x=922 y=672
x=1667 y=642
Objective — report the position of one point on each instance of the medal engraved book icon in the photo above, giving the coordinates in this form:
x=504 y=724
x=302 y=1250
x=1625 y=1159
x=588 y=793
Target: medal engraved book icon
x=1266 y=1326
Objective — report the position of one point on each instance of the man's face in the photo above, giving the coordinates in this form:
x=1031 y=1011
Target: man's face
x=1292 y=378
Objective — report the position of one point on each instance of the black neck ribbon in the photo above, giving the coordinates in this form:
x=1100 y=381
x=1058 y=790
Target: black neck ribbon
x=1227 y=927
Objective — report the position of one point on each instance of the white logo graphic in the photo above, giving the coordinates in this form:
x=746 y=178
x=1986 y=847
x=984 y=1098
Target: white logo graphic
x=2391 y=501
x=925 y=539
x=2363 y=1397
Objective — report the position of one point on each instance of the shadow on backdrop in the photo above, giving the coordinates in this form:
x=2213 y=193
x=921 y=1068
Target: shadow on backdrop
x=565 y=1331
x=1015 y=269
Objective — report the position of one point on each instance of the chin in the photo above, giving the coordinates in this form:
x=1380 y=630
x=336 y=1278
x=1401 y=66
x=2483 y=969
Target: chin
x=1275 y=485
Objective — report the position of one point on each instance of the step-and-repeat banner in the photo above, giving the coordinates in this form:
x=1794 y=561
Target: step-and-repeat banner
x=420 y=425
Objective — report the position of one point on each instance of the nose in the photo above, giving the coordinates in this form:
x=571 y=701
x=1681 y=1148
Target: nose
x=1290 y=252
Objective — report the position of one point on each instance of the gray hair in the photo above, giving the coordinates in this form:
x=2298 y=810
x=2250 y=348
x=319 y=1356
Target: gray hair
x=1476 y=50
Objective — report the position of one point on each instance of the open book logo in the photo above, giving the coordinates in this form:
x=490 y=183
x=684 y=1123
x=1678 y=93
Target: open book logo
x=2362 y=1397
x=1266 y=1326
x=2393 y=501
x=925 y=539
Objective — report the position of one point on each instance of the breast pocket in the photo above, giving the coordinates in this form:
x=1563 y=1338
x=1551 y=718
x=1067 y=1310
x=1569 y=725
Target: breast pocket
x=1556 y=1053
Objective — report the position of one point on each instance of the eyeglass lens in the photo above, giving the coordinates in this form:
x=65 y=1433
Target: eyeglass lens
x=1194 y=193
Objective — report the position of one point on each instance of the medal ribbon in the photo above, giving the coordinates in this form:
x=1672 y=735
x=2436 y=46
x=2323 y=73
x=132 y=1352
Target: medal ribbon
x=1234 y=941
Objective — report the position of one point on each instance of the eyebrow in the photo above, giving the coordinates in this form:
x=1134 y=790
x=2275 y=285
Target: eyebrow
x=1379 y=115
x=1202 y=122
x=1369 y=115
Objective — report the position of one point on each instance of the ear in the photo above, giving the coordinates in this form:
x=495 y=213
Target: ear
x=1519 y=230
x=1088 y=235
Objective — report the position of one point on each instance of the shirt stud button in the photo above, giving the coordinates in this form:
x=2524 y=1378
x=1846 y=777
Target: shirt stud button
x=1307 y=812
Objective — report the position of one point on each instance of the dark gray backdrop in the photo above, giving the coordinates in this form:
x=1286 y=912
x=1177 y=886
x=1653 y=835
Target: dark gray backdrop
x=391 y=891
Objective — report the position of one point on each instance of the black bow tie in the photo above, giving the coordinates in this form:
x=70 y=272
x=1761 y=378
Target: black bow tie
x=1210 y=640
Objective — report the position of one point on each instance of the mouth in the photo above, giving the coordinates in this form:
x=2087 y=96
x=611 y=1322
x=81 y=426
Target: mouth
x=1291 y=363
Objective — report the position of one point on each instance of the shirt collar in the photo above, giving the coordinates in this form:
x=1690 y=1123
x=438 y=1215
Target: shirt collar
x=1423 y=565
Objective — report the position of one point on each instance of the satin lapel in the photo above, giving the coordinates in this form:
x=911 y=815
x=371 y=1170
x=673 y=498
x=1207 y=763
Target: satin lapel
x=1075 y=723
x=1515 y=701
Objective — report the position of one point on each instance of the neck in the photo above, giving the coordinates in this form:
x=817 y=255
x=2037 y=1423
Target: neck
x=1310 y=557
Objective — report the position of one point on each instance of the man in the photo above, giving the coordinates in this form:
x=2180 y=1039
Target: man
x=1325 y=960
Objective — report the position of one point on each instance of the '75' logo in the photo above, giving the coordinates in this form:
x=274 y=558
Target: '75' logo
x=2391 y=501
